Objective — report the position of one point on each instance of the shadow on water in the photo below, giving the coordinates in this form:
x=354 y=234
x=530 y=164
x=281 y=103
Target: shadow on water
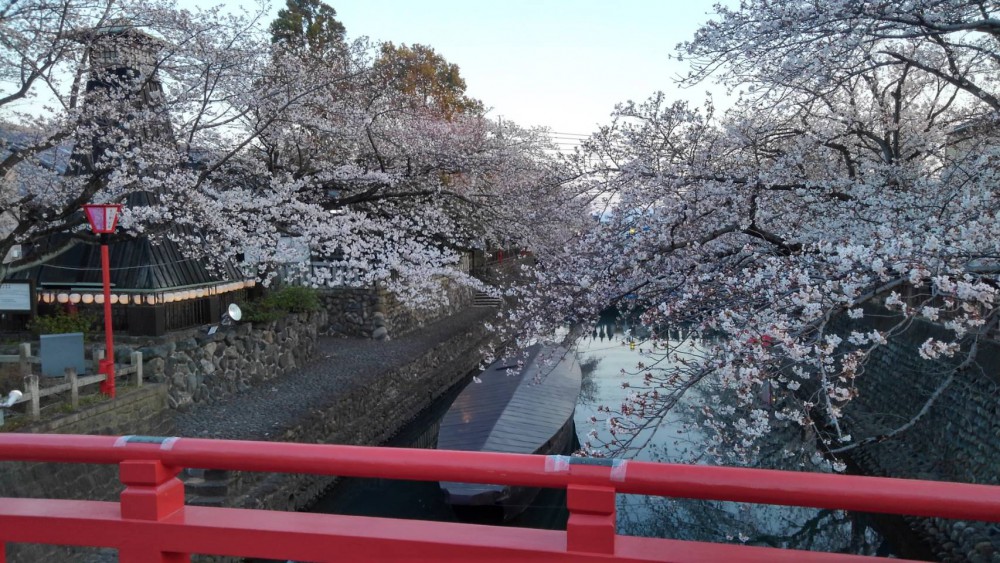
x=424 y=500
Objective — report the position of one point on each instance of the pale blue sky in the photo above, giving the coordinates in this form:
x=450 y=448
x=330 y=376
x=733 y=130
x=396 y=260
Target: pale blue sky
x=562 y=64
x=558 y=63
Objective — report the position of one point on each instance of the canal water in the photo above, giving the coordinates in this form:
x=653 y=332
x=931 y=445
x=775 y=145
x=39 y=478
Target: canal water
x=609 y=355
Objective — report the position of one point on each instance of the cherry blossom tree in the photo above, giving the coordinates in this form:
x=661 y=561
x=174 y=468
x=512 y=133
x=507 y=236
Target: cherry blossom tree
x=856 y=169
x=398 y=189
x=410 y=191
x=106 y=99
x=242 y=142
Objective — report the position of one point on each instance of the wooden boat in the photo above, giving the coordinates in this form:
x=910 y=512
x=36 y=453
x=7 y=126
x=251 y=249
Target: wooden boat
x=522 y=405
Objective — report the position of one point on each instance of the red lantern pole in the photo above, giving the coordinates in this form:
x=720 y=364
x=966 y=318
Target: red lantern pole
x=103 y=219
x=107 y=365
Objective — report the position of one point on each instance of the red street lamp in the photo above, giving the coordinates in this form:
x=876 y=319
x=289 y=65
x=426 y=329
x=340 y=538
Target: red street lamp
x=103 y=220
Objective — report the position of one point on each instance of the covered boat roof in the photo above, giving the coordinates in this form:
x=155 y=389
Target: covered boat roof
x=515 y=409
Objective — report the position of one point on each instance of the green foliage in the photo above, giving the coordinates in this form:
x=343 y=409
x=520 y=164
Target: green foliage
x=426 y=78
x=261 y=311
x=12 y=424
x=296 y=299
x=62 y=323
x=85 y=402
x=308 y=26
x=277 y=304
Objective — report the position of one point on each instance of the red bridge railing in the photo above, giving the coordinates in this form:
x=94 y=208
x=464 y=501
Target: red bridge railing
x=152 y=524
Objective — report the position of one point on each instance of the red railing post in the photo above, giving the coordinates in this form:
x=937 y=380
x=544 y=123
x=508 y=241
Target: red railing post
x=591 y=525
x=152 y=492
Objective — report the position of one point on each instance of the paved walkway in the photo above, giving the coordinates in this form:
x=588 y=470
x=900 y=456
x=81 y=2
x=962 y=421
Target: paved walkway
x=265 y=411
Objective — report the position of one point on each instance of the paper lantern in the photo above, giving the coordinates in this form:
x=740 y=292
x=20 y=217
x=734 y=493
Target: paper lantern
x=103 y=217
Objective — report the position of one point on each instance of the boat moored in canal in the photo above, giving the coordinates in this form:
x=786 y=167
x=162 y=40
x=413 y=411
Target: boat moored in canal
x=521 y=404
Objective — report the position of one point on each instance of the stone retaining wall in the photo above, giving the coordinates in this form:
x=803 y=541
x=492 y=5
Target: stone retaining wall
x=135 y=411
x=352 y=311
x=201 y=368
x=957 y=440
x=369 y=413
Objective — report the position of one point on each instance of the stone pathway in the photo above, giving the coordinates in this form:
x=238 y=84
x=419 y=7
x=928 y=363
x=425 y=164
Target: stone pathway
x=265 y=411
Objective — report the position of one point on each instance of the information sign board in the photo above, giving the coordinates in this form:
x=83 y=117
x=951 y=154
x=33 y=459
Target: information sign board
x=16 y=296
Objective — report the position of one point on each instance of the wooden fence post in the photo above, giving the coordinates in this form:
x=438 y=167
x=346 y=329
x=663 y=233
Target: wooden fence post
x=137 y=362
x=36 y=408
x=24 y=355
x=98 y=355
x=74 y=389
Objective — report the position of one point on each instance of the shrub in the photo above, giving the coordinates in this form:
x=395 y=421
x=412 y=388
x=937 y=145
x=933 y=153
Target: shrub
x=62 y=323
x=296 y=299
x=261 y=311
x=277 y=304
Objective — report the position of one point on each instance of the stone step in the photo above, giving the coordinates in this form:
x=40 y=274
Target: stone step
x=216 y=475
x=205 y=501
x=208 y=474
x=203 y=487
x=481 y=299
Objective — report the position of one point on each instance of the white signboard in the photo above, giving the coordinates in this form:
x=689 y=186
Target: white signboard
x=15 y=297
x=292 y=250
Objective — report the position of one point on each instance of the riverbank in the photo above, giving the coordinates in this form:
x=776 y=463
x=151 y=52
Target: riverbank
x=341 y=366
x=356 y=391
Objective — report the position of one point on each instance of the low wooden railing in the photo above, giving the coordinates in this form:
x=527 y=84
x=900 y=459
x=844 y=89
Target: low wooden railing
x=23 y=358
x=33 y=392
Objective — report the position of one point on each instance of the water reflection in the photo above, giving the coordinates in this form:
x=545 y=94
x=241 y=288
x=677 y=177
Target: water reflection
x=609 y=354
x=613 y=350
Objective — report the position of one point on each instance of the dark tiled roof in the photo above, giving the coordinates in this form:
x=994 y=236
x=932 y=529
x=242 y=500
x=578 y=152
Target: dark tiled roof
x=136 y=264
